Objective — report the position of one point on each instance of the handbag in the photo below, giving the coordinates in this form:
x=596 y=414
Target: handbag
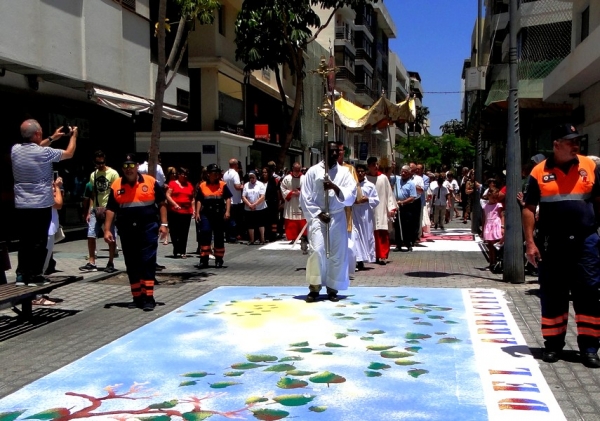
x=59 y=235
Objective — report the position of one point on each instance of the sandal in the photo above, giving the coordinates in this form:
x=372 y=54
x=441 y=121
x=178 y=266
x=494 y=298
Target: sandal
x=43 y=302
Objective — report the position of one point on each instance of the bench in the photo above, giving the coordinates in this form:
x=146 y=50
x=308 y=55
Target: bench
x=15 y=295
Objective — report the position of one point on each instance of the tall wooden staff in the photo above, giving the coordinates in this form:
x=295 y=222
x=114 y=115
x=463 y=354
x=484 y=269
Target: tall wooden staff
x=325 y=110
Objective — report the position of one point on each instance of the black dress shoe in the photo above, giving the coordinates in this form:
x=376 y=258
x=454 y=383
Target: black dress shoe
x=360 y=265
x=590 y=360
x=219 y=263
x=312 y=297
x=333 y=297
x=381 y=262
x=410 y=249
x=550 y=356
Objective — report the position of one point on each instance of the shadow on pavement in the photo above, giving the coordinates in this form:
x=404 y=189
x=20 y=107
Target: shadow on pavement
x=13 y=326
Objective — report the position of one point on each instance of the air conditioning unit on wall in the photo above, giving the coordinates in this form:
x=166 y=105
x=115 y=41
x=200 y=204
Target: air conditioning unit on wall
x=475 y=78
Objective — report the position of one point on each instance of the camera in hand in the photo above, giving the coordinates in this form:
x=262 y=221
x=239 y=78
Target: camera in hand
x=55 y=175
x=65 y=127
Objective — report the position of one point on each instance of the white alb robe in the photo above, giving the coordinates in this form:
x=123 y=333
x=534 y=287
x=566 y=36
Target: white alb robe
x=387 y=201
x=320 y=270
x=291 y=209
x=364 y=221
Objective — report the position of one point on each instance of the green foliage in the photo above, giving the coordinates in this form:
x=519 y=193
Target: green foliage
x=203 y=10
x=435 y=151
x=455 y=127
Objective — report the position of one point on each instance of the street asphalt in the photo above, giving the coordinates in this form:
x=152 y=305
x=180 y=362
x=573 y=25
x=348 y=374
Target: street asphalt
x=92 y=312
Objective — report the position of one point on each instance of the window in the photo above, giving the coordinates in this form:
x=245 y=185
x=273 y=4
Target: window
x=127 y=4
x=585 y=23
x=183 y=99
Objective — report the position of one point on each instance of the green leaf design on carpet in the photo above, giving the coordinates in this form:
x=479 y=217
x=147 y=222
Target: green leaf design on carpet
x=246 y=366
x=378 y=366
x=406 y=362
x=449 y=341
x=373 y=374
x=380 y=347
x=292 y=358
x=416 y=372
x=411 y=335
x=261 y=358
x=303 y=350
x=269 y=414
x=278 y=368
x=222 y=385
x=287 y=383
x=294 y=400
x=233 y=373
x=300 y=373
x=395 y=354
x=327 y=378
x=196 y=374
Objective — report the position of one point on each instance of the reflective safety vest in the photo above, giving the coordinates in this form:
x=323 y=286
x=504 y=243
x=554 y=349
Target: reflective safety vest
x=565 y=199
x=137 y=202
x=212 y=197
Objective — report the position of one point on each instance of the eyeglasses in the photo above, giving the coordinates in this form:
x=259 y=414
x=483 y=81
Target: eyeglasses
x=98 y=164
x=130 y=165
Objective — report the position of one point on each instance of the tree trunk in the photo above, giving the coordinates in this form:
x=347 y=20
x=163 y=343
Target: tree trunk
x=159 y=93
x=289 y=135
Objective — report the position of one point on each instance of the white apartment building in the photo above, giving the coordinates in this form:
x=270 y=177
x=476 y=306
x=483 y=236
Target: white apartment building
x=576 y=79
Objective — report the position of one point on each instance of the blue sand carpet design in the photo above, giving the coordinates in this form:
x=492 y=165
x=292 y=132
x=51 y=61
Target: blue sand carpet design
x=263 y=353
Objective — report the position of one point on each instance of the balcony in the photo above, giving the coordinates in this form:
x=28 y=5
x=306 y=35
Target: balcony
x=344 y=37
x=361 y=54
x=364 y=93
x=345 y=73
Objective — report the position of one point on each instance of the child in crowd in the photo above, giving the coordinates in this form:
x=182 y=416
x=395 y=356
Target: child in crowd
x=493 y=224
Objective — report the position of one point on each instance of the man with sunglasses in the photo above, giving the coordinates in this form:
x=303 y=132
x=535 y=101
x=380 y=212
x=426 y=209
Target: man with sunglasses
x=566 y=186
x=139 y=204
x=95 y=211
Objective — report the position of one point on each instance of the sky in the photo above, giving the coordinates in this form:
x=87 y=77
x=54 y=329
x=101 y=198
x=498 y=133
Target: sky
x=433 y=38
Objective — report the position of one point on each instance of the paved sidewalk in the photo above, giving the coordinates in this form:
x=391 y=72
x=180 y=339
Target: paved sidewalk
x=91 y=316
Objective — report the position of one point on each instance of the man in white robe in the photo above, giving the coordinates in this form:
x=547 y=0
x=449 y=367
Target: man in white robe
x=292 y=213
x=383 y=212
x=363 y=218
x=321 y=270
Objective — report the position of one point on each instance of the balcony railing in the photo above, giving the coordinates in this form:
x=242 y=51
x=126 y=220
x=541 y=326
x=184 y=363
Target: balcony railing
x=341 y=32
x=345 y=73
x=363 y=89
x=361 y=54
